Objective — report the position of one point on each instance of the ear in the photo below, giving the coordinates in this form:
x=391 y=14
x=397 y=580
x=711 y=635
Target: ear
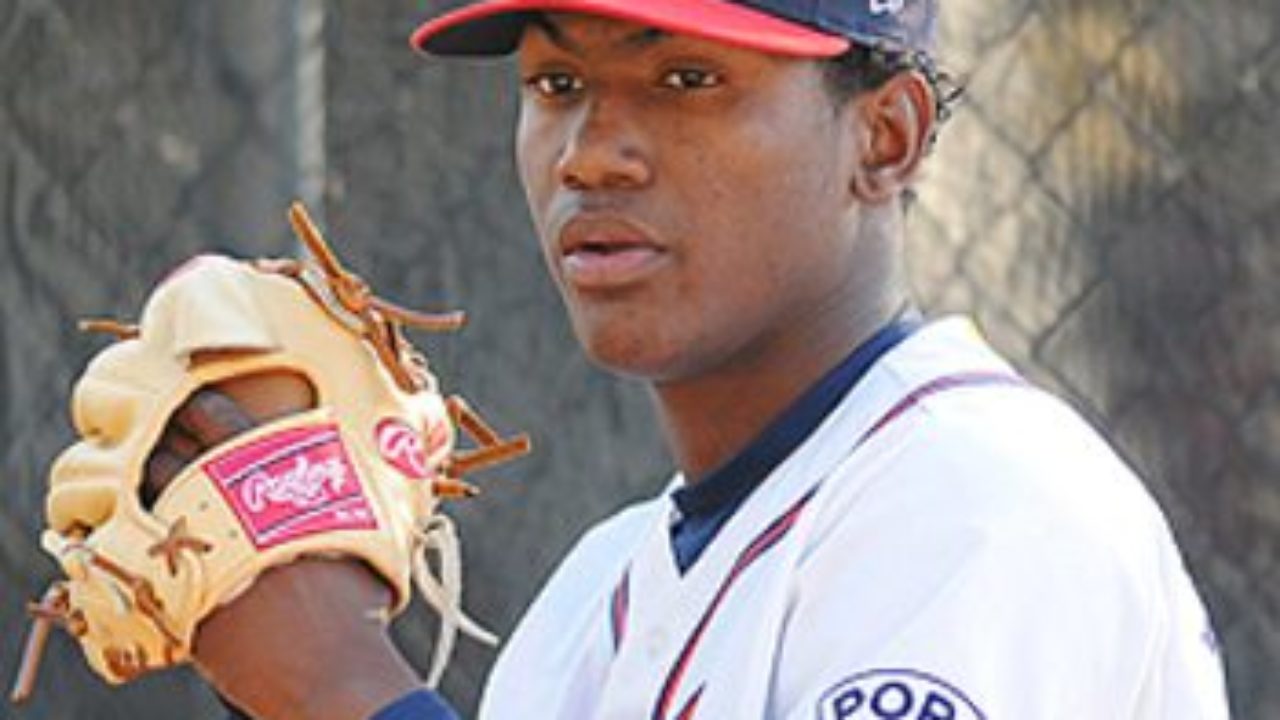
x=897 y=122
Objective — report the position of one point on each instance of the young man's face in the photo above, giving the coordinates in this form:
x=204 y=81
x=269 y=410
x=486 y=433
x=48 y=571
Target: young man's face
x=692 y=198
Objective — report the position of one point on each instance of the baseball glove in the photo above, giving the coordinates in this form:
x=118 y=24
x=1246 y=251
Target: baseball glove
x=361 y=474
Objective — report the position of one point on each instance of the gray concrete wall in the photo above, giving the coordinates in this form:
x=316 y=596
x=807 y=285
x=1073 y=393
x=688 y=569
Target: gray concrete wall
x=1107 y=205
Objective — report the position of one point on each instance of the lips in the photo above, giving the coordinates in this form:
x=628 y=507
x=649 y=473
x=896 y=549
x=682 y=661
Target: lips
x=602 y=252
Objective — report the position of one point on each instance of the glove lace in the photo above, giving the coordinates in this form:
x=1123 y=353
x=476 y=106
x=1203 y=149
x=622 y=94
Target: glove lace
x=444 y=593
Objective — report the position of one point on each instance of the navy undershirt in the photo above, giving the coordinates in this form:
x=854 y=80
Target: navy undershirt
x=705 y=507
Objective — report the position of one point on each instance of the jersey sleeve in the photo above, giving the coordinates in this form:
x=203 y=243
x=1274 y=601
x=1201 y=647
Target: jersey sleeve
x=558 y=656
x=997 y=587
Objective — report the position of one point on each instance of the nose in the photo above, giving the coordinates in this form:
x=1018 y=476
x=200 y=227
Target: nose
x=604 y=148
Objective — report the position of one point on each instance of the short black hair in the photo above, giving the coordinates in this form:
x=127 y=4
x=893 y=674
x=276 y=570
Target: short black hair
x=862 y=68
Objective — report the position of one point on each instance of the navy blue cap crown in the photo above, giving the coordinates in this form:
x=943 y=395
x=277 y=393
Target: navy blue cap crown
x=898 y=25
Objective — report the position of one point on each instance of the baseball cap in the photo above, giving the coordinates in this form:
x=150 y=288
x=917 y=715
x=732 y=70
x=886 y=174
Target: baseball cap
x=802 y=28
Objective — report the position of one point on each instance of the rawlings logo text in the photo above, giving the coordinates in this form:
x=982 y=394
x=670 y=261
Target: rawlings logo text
x=292 y=484
x=304 y=485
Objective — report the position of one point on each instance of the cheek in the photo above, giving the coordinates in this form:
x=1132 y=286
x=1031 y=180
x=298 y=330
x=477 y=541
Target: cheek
x=776 y=168
x=535 y=158
x=760 y=200
x=764 y=213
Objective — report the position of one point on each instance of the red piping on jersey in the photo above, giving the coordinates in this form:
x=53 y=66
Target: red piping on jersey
x=691 y=708
x=935 y=386
x=767 y=539
x=777 y=530
x=618 y=609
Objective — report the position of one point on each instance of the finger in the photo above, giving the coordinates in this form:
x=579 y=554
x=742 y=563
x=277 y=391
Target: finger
x=162 y=468
x=177 y=441
x=211 y=417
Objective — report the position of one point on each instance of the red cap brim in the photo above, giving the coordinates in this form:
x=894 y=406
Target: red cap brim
x=494 y=27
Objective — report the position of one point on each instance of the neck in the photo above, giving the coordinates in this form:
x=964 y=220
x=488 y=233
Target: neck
x=709 y=419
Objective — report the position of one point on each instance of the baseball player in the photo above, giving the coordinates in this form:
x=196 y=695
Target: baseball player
x=874 y=516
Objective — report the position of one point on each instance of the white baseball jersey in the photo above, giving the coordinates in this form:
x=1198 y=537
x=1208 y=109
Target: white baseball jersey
x=950 y=543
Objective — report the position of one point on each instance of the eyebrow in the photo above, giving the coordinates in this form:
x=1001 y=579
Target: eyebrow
x=642 y=38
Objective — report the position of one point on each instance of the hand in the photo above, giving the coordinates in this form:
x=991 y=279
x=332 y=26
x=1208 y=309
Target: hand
x=307 y=640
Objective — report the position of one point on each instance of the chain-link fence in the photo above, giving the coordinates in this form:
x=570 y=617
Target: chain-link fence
x=132 y=133
x=1107 y=204
x=1104 y=203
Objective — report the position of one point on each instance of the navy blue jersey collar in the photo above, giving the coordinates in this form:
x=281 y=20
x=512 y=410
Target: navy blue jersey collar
x=705 y=506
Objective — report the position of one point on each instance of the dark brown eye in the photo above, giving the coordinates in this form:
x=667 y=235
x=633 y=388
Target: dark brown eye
x=691 y=79
x=554 y=84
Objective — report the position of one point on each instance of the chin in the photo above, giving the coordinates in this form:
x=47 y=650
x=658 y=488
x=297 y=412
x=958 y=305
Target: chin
x=630 y=354
x=629 y=362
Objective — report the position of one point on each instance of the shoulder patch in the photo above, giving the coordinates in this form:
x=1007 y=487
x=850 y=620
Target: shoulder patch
x=896 y=694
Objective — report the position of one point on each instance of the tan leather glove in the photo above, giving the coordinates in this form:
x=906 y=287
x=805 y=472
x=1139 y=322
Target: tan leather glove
x=360 y=474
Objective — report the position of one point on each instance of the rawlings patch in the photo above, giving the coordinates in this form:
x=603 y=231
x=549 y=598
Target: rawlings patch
x=402 y=448
x=898 y=694
x=292 y=484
